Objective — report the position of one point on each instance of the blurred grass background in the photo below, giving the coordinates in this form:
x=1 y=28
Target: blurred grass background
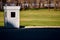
x=36 y=17
x=40 y=17
x=1 y=18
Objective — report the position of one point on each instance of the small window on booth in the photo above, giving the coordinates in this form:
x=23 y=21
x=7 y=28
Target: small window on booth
x=12 y=14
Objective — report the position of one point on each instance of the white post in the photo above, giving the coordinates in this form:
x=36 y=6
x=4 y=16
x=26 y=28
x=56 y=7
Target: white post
x=11 y=17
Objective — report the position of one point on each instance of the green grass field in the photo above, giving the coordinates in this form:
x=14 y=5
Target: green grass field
x=41 y=17
x=1 y=18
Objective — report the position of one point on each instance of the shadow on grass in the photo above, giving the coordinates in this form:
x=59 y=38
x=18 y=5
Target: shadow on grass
x=30 y=34
x=11 y=27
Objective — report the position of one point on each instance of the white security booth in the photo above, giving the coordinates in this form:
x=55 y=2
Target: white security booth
x=11 y=16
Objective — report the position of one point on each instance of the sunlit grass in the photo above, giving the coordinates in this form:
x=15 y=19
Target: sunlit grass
x=41 y=17
x=1 y=18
